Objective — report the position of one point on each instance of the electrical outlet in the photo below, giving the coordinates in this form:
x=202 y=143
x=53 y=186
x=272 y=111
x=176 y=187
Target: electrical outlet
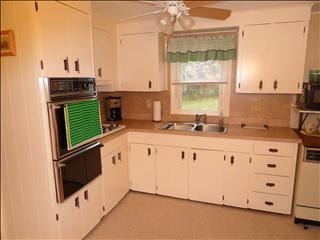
x=148 y=103
x=256 y=106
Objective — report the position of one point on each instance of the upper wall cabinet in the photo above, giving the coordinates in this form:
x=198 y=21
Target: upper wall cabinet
x=141 y=64
x=102 y=51
x=65 y=40
x=271 y=58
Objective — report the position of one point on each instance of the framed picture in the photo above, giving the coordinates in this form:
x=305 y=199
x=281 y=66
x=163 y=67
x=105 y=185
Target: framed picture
x=8 y=46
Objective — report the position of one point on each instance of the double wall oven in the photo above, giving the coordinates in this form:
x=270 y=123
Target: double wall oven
x=73 y=167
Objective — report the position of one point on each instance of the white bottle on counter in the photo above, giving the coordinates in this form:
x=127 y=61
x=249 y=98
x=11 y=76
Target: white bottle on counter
x=156 y=111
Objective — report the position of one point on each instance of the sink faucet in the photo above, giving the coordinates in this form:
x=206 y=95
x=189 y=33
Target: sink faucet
x=199 y=116
x=221 y=120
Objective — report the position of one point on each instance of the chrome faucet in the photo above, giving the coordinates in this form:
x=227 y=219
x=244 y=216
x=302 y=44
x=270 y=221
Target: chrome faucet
x=199 y=116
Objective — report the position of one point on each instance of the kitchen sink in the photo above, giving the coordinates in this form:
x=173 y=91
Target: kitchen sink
x=195 y=127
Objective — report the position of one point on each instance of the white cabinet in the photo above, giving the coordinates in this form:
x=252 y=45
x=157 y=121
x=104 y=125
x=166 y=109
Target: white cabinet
x=172 y=171
x=65 y=40
x=116 y=176
x=271 y=58
x=141 y=64
x=236 y=179
x=81 y=212
x=206 y=175
x=142 y=167
x=103 y=62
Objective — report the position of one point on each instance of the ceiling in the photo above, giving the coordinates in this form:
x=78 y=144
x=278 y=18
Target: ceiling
x=118 y=11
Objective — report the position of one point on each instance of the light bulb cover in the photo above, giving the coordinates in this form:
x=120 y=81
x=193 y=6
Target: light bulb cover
x=164 y=21
x=169 y=29
x=186 y=21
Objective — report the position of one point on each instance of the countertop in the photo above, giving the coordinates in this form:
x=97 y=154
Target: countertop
x=281 y=134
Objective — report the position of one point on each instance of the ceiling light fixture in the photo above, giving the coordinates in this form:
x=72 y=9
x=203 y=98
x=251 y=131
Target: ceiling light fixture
x=173 y=11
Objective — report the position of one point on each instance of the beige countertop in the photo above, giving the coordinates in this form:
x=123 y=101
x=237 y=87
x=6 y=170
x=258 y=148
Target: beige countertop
x=282 y=134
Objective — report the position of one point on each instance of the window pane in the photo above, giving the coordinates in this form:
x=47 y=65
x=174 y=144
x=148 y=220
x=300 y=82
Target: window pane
x=200 y=98
x=209 y=71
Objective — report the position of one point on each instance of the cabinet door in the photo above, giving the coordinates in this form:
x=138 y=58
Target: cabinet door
x=172 y=171
x=123 y=171
x=102 y=56
x=53 y=34
x=205 y=176
x=287 y=56
x=70 y=218
x=253 y=56
x=236 y=179
x=138 y=59
x=91 y=203
x=142 y=167
x=80 y=44
x=111 y=180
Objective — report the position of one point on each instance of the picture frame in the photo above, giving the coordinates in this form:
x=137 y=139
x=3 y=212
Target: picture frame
x=8 y=46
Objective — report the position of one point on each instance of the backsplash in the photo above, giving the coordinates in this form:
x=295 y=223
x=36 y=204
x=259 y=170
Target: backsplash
x=270 y=109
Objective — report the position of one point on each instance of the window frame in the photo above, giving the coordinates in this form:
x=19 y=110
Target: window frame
x=176 y=94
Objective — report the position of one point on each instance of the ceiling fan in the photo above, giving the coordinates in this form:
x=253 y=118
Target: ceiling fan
x=182 y=11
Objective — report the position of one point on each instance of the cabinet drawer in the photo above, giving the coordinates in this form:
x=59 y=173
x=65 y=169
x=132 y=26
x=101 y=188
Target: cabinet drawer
x=270 y=184
x=274 y=149
x=270 y=203
x=272 y=165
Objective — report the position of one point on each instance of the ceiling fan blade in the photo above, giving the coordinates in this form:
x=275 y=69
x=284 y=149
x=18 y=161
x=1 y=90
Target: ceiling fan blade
x=154 y=3
x=141 y=15
x=195 y=4
x=213 y=13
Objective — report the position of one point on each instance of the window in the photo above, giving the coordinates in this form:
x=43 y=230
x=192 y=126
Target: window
x=200 y=87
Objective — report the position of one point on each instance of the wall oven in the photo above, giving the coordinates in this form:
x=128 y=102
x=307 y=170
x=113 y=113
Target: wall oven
x=76 y=166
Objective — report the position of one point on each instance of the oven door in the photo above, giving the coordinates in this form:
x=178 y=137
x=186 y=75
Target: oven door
x=76 y=170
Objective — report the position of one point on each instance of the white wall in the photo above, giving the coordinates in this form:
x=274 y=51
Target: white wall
x=27 y=204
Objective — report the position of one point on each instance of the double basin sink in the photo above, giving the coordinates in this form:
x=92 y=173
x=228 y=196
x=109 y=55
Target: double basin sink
x=195 y=127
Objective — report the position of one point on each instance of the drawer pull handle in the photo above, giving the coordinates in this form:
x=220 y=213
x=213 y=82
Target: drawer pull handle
x=119 y=156
x=182 y=155
x=273 y=150
x=149 y=151
x=76 y=202
x=270 y=184
x=194 y=156
x=114 y=162
x=272 y=165
x=268 y=203
x=232 y=160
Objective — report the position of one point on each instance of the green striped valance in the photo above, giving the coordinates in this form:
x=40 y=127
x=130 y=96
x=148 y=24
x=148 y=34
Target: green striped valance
x=201 y=48
x=82 y=121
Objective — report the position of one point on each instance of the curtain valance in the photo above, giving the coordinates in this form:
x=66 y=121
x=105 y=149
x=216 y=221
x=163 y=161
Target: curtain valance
x=201 y=48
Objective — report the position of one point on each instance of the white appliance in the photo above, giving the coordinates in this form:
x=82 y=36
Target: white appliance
x=307 y=195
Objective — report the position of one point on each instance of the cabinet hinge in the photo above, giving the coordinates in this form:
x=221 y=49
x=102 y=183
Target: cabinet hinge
x=57 y=217
x=247 y=200
x=224 y=157
x=239 y=84
x=223 y=197
x=36 y=6
x=304 y=30
x=242 y=33
x=41 y=64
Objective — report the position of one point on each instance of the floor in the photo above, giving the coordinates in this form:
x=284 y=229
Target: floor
x=146 y=216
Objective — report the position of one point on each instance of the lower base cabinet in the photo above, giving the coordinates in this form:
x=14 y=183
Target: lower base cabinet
x=81 y=212
x=172 y=171
x=116 y=176
x=205 y=176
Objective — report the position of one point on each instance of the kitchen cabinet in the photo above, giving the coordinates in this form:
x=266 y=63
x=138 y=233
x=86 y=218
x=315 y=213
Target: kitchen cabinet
x=142 y=167
x=205 y=175
x=172 y=171
x=65 y=40
x=236 y=179
x=81 y=212
x=116 y=176
x=271 y=58
x=103 y=62
x=141 y=65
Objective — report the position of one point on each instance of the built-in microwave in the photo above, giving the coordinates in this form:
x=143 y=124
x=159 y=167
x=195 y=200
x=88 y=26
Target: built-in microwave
x=310 y=97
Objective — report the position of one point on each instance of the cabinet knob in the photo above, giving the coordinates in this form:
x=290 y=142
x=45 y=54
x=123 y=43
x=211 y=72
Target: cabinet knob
x=268 y=203
x=114 y=162
x=260 y=84
x=232 y=160
x=100 y=72
x=66 y=64
x=76 y=202
x=182 y=155
x=275 y=84
x=119 y=156
x=149 y=151
x=77 y=65
x=150 y=84
x=273 y=150
x=270 y=184
x=194 y=156
x=86 y=195
x=271 y=165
